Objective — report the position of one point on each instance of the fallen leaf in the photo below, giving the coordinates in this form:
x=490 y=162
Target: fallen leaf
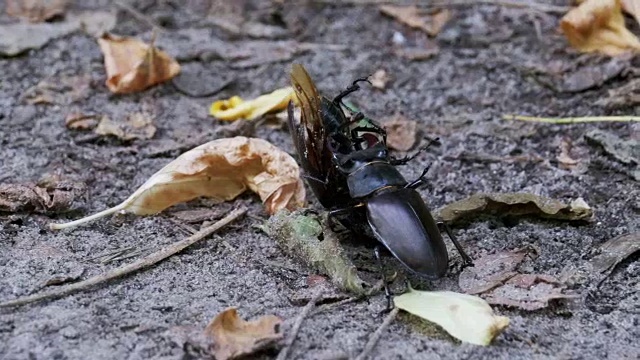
x=303 y=237
x=632 y=7
x=490 y=271
x=401 y=133
x=465 y=317
x=379 y=79
x=234 y=337
x=79 y=121
x=133 y=66
x=135 y=126
x=598 y=25
x=18 y=38
x=614 y=251
x=36 y=10
x=625 y=151
x=44 y=197
x=235 y=108
x=528 y=292
x=564 y=158
x=515 y=204
x=60 y=90
x=221 y=170
x=412 y=16
x=418 y=53
x=626 y=95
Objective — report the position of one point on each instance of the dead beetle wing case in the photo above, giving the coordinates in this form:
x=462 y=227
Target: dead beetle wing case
x=310 y=138
x=402 y=222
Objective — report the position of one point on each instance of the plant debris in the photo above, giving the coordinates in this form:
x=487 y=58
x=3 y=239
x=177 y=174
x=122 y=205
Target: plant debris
x=47 y=197
x=624 y=151
x=235 y=108
x=303 y=237
x=612 y=252
x=632 y=7
x=430 y=22
x=18 y=38
x=80 y=121
x=36 y=10
x=379 y=79
x=515 y=204
x=564 y=158
x=491 y=271
x=234 y=338
x=401 y=133
x=496 y=279
x=134 y=66
x=221 y=170
x=60 y=90
x=598 y=25
x=137 y=125
x=465 y=317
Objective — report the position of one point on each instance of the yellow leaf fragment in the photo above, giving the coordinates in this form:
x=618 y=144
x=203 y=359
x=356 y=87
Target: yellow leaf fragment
x=598 y=25
x=235 y=108
x=233 y=337
x=132 y=65
x=221 y=170
x=465 y=317
x=412 y=16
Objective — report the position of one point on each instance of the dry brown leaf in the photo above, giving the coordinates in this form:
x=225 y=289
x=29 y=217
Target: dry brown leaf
x=45 y=197
x=221 y=170
x=632 y=7
x=135 y=126
x=401 y=133
x=598 y=25
x=564 y=158
x=60 y=90
x=133 y=66
x=412 y=16
x=614 y=251
x=234 y=337
x=379 y=79
x=36 y=10
x=80 y=121
x=496 y=279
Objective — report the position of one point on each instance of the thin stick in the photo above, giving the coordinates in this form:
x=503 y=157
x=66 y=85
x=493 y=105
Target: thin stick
x=452 y=3
x=375 y=337
x=284 y=353
x=139 y=264
x=140 y=16
x=571 y=120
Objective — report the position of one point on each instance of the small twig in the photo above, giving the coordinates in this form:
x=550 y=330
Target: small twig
x=139 y=264
x=375 y=337
x=571 y=120
x=284 y=353
x=376 y=288
x=140 y=16
x=452 y=3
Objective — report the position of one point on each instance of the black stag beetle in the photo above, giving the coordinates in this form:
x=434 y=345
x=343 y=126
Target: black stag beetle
x=350 y=169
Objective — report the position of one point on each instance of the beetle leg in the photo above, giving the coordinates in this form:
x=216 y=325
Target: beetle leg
x=387 y=291
x=465 y=258
x=354 y=87
x=331 y=215
x=402 y=161
x=420 y=180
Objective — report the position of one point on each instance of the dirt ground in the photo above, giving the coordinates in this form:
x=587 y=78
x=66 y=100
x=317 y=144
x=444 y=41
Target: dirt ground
x=492 y=60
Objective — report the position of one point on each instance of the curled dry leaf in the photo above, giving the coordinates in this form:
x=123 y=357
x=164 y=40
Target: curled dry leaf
x=36 y=10
x=430 y=22
x=515 y=204
x=465 y=317
x=235 y=108
x=234 y=337
x=79 y=121
x=564 y=158
x=614 y=251
x=401 y=133
x=136 y=126
x=598 y=25
x=300 y=236
x=221 y=170
x=133 y=66
x=490 y=271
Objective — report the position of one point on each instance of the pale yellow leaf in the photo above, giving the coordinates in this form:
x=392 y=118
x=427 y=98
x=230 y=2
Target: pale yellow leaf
x=465 y=317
